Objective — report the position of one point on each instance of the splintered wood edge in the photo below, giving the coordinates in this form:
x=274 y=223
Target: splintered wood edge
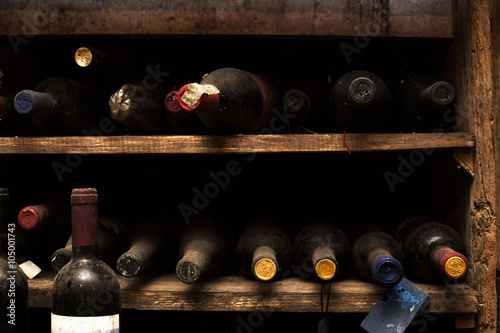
x=235 y=293
x=230 y=144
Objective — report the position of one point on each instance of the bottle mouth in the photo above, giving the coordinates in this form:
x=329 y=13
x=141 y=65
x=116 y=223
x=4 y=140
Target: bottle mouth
x=387 y=272
x=83 y=57
x=188 y=271
x=128 y=265
x=326 y=269
x=295 y=101
x=456 y=266
x=24 y=101
x=265 y=269
x=362 y=90
x=28 y=218
x=172 y=102
x=443 y=93
x=84 y=196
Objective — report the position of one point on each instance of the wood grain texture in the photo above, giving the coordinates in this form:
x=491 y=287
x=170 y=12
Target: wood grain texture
x=423 y=18
x=235 y=293
x=216 y=144
x=475 y=84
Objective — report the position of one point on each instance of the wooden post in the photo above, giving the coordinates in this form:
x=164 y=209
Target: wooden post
x=474 y=42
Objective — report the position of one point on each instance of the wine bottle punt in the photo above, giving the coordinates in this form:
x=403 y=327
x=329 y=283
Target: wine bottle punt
x=263 y=249
x=86 y=293
x=60 y=106
x=206 y=247
x=360 y=101
x=13 y=282
x=433 y=251
x=420 y=103
x=376 y=256
x=322 y=248
x=153 y=248
x=138 y=110
x=231 y=101
x=113 y=238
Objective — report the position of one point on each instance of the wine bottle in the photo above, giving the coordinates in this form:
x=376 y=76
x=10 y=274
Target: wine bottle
x=323 y=248
x=376 y=256
x=52 y=208
x=420 y=103
x=86 y=293
x=113 y=237
x=92 y=58
x=263 y=249
x=13 y=282
x=153 y=248
x=360 y=101
x=181 y=121
x=60 y=106
x=433 y=251
x=206 y=247
x=305 y=104
x=231 y=101
x=138 y=110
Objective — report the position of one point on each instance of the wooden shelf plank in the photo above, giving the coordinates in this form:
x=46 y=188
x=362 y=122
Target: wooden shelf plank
x=235 y=293
x=217 y=144
x=422 y=19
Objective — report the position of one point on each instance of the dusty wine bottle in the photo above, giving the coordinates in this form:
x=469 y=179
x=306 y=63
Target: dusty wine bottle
x=263 y=249
x=86 y=294
x=432 y=251
x=231 y=101
x=322 y=248
x=13 y=282
x=420 y=102
x=360 y=101
x=51 y=209
x=205 y=248
x=153 y=248
x=140 y=111
x=376 y=256
x=113 y=238
x=90 y=57
x=305 y=104
x=60 y=106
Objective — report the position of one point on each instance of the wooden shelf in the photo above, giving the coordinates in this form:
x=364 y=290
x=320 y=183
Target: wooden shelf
x=235 y=293
x=421 y=19
x=216 y=144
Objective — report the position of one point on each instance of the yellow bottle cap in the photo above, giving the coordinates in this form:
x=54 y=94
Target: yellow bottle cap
x=265 y=269
x=455 y=267
x=83 y=57
x=325 y=269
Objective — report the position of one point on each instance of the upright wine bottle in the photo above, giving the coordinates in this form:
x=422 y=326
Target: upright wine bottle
x=263 y=249
x=432 y=251
x=86 y=294
x=60 y=106
x=420 y=103
x=13 y=282
x=113 y=237
x=206 y=247
x=140 y=111
x=153 y=248
x=231 y=101
x=376 y=256
x=360 y=101
x=322 y=248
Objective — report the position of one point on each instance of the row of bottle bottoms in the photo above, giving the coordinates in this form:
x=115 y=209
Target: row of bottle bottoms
x=429 y=250
x=233 y=101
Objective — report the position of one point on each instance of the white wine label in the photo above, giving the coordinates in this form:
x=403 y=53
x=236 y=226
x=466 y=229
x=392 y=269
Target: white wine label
x=100 y=324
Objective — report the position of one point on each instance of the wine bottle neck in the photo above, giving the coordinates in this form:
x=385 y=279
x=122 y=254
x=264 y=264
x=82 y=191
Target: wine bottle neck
x=296 y=102
x=85 y=252
x=324 y=262
x=264 y=263
x=84 y=217
x=451 y=263
x=28 y=102
x=437 y=97
x=199 y=98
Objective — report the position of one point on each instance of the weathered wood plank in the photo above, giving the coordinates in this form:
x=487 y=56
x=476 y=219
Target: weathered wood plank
x=473 y=38
x=423 y=18
x=215 y=144
x=235 y=293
